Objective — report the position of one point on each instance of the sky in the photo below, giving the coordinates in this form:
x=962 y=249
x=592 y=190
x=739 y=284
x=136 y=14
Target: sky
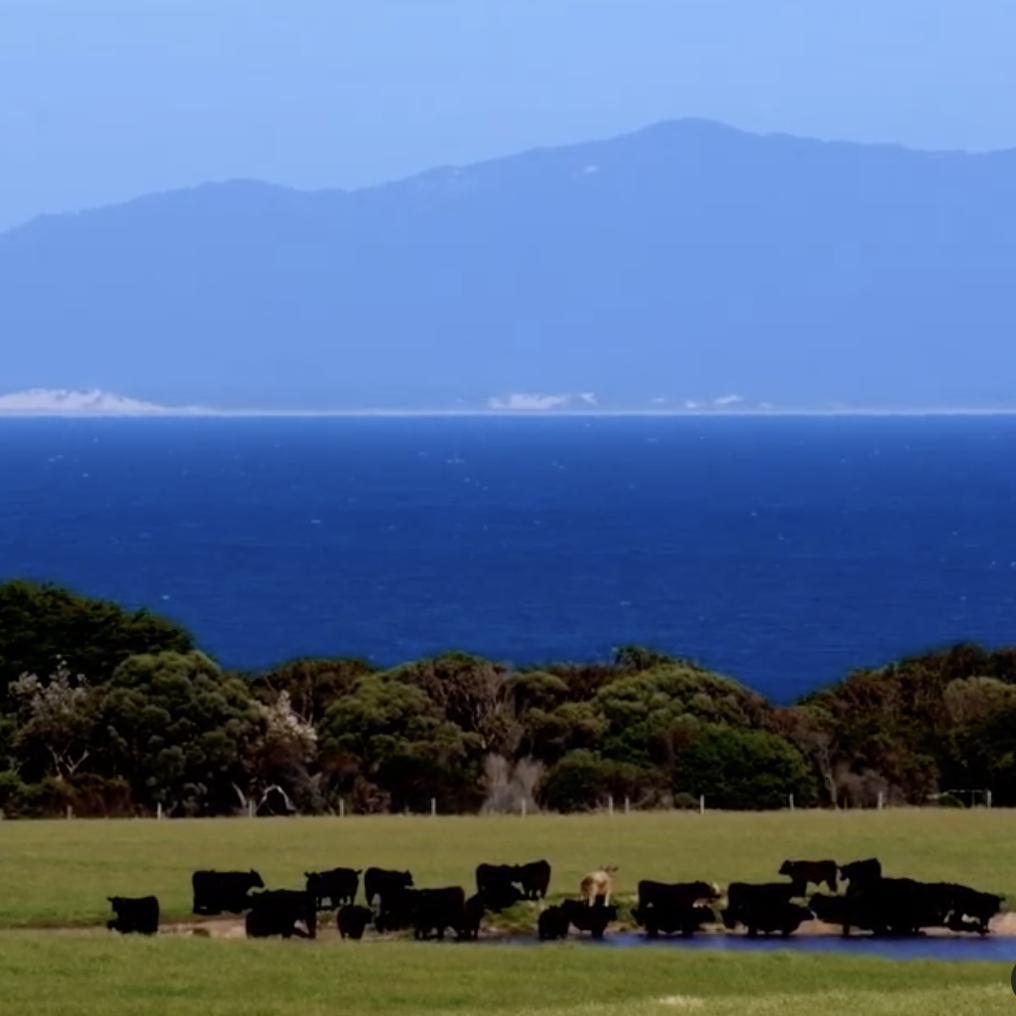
x=106 y=100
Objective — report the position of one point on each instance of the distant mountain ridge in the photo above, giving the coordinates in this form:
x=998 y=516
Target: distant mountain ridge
x=664 y=268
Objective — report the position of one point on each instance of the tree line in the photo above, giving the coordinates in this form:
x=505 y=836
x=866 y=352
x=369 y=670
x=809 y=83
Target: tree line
x=117 y=712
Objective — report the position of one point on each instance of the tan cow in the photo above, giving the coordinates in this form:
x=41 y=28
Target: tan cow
x=598 y=885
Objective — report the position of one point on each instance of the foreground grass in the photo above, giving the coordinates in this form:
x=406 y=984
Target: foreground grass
x=56 y=973
x=60 y=872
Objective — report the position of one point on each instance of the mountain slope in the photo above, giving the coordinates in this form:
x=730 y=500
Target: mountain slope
x=687 y=260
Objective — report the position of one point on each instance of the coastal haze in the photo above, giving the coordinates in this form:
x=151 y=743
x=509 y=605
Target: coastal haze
x=684 y=265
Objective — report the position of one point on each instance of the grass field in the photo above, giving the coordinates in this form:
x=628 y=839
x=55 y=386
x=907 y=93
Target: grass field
x=54 y=974
x=57 y=874
x=60 y=872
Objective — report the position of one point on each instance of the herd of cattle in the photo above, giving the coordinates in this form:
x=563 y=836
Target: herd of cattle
x=870 y=902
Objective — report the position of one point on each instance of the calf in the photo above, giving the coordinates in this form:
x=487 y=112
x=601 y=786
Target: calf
x=138 y=915
x=471 y=919
x=534 y=879
x=767 y=916
x=281 y=912
x=333 y=889
x=352 y=920
x=597 y=886
x=805 y=873
x=684 y=918
x=593 y=919
x=676 y=894
x=218 y=891
x=377 y=882
x=436 y=910
x=553 y=924
x=498 y=884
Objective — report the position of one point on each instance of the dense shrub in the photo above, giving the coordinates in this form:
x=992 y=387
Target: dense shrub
x=745 y=769
x=109 y=711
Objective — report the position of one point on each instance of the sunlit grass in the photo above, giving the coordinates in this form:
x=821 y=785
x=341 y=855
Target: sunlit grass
x=83 y=974
x=60 y=872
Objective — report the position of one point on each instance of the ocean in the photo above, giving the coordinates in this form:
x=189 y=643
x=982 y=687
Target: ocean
x=782 y=551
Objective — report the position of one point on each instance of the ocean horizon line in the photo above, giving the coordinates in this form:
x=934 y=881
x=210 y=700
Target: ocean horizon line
x=698 y=414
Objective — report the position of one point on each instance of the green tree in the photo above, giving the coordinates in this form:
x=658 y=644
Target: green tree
x=181 y=732
x=745 y=770
x=41 y=624
x=55 y=732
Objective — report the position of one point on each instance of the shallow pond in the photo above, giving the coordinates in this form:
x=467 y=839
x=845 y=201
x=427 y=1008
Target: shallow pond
x=930 y=947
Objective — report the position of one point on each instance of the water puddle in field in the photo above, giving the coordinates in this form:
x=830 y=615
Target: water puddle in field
x=930 y=947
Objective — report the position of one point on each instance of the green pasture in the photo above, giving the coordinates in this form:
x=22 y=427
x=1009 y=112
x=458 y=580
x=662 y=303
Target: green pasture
x=57 y=873
x=55 y=973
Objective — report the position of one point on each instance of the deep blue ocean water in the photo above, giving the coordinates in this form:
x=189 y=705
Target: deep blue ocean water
x=782 y=551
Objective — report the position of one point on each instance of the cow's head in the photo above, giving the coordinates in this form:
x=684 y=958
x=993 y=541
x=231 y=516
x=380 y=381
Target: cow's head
x=786 y=868
x=256 y=880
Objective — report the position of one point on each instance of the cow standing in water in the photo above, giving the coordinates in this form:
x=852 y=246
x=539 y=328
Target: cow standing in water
x=598 y=885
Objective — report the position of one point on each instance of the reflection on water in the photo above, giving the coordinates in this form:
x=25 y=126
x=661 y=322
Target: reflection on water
x=1002 y=948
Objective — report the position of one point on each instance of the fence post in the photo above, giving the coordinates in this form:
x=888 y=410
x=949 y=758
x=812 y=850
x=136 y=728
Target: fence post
x=70 y=811
x=250 y=809
x=791 y=802
x=433 y=807
x=158 y=811
x=610 y=804
x=627 y=805
x=342 y=807
x=523 y=807
x=881 y=798
x=702 y=804
x=987 y=798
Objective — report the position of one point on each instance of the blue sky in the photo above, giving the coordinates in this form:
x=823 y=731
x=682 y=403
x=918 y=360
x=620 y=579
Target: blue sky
x=104 y=100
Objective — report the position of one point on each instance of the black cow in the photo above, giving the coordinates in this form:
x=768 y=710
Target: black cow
x=741 y=894
x=672 y=918
x=859 y=872
x=897 y=906
x=534 y=879
x=436 y=910
x=676 y=894
x=352 y=920
x=973 y=910
x=805 y=873
x=333 y=889
x=395 y=910
x=471 y=919
x=499 y=885
x=552 y=924
x=377 y=883
x=767 y=915
x=850 y=911
x=281 y=912
x=218 y=891
x=138 y=915
x=584 y=917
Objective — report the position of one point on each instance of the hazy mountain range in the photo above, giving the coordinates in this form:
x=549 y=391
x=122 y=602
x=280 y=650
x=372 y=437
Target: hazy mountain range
x=688 y=265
